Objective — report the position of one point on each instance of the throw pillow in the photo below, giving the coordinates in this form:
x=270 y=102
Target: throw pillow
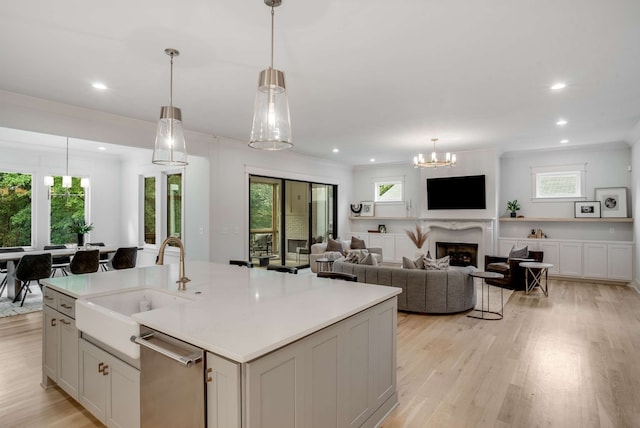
x=438 y=264
x=519 y=252
x=360 y=253
x=369 y=260
x=332 y=255
x=409 y=264
x=333 y=245
x=352 y=258
x=419 y=262
x=357 y=243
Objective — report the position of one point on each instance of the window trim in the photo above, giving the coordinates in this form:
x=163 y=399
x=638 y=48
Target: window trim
x=377 y=181
x=575 y=169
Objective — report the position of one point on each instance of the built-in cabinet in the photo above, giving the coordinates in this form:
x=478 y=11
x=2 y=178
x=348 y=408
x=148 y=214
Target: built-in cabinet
x=109 y=388
x=223 y=379
x=607 y=260
x=341 y=376
x=60 y=342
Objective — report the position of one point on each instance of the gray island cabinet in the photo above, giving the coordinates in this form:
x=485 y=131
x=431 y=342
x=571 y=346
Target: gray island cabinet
x=280 y=350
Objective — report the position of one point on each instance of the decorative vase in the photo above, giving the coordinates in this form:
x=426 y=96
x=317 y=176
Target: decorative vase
x=513 y=214
x=80 y=239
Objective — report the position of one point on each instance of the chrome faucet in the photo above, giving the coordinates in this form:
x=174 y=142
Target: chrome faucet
x=182 y=280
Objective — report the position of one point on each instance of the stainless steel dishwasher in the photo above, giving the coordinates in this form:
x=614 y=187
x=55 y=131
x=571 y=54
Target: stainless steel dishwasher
x=172 y=381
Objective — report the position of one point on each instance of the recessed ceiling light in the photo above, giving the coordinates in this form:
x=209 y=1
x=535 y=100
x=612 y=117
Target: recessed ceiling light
x=558 y=86
x=336 y=150
x=561 y=122
x=100 y=86
x=372 y=160
x=101 y=148
x=564 y=141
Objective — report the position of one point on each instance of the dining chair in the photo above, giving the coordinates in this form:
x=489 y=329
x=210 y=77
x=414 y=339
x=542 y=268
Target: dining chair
x=124 y=258
x=244 y=263
x=338 y=275
x=58 y=262
x=3 y=265
x=285 y=269
x=104 y=257
x=85 y=261
x=32 y=267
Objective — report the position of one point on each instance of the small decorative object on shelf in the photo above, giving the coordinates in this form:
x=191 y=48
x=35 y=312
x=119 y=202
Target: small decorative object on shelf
x=356 y=209
x=80 y=227
x=382 y=228
x=367 y=209
x=513 y=207
x=613 y=200
x=536 y=234
x=587 y=209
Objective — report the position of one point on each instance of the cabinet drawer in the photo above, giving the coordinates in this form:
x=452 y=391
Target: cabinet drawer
x=67 y=305
x=50 y=297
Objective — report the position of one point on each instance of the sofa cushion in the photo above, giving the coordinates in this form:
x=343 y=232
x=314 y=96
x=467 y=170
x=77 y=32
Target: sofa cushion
x=407 y=263
x=369 y=259
x=438 y=264
x=357 y=243
x=519 y=252
x=352 y=258
x=333 y=245
x=499 y=267
x=332 y=255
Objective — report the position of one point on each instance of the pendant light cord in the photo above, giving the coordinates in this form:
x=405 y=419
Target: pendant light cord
x=171 y=82
x=67 y=169
x=272 y=37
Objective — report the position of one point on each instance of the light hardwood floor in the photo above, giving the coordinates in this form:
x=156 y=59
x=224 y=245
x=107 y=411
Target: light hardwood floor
x=569 y=360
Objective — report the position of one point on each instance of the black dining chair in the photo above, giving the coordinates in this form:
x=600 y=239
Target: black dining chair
x=104 y=257
x=85 y=261
x=124 y=258
x=32 y=267
x=3 y=265
x=58 y=262
x=338 y=275
x=244 y=263
x=285 y=269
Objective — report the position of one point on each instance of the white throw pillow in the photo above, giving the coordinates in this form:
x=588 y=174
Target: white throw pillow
x=438 y=264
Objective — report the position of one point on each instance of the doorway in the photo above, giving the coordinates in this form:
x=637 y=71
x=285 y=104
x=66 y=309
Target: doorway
x=286 y=217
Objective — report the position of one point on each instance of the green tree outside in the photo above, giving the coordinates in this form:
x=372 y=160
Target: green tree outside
x=15 y=209
x=261 y=206
x=65 y=208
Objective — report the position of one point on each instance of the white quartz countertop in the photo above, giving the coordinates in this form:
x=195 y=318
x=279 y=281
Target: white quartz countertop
x=238 y=313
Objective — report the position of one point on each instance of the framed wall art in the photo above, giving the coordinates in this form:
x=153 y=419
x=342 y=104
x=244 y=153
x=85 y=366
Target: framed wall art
x=613 y=200
x=367 y=209
x=587 y=209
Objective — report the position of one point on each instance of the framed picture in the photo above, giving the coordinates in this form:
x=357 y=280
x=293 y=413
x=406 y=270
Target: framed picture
x=587 y=209
x=367 y=209
x=613 y=200
x=382 y=228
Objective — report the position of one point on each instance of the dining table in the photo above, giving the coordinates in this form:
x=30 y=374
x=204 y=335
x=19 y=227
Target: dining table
x=13 y=258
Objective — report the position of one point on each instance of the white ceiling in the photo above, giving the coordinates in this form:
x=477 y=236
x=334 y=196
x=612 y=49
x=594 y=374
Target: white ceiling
x=373 y=78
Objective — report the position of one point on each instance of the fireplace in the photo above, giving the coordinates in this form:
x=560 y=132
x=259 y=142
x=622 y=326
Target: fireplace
x=460 y=253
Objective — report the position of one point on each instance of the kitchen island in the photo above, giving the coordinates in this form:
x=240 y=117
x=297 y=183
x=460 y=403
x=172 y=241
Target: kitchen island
x=280 y=350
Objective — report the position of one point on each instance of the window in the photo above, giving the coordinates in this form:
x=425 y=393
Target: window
x=149 y=210
x=559 y=182
x=15 y=209
x=389 y=190
x=67 y=205
x=174 y=205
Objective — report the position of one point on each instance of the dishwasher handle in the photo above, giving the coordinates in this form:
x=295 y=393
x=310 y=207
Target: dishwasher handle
x=186 y=361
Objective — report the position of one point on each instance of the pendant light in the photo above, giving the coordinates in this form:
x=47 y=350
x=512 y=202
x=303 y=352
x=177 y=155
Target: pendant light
x=450 y=159
x=271 y=122
x=170 y=147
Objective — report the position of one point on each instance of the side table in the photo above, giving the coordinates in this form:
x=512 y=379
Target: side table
x=495 y=315
x=537 y=271
x=325 y=265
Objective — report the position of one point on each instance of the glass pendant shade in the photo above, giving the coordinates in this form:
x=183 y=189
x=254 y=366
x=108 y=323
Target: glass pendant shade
x=271 y=121
x=84 y=182
x=48 y=180
x=170 y=147
x=66 y=181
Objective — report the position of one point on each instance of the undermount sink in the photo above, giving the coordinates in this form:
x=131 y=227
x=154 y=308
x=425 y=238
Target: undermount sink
x=108 y=318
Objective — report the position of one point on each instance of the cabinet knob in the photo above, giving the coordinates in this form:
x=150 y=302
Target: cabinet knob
x=65 y=322
x=64 y=305
x=104 y=370
x=209 y=377
x=53 y=322
x=100 y=367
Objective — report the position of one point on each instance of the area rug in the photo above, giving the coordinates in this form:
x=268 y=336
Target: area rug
x=492 y=303
x=32 y=303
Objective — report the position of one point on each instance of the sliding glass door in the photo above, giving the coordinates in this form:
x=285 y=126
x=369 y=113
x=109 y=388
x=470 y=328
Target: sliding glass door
x=286 y=217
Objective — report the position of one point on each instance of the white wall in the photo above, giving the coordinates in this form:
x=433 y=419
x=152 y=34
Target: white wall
x=635 y=204
x=606 y=167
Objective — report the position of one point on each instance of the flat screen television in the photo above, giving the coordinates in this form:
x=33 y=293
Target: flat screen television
x=456 y=193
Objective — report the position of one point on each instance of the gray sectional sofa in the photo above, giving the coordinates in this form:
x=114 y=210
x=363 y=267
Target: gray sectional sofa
x=424 y=291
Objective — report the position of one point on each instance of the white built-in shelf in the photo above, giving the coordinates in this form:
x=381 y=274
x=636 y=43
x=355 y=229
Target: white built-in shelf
x=569 y=219
x=383 y=218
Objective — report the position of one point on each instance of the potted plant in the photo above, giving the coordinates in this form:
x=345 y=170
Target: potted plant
x=418 y=237
x=513 y=207
x=80 y=227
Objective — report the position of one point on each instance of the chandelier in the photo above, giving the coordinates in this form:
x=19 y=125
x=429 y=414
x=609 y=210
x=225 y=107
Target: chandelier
x=420 y=162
